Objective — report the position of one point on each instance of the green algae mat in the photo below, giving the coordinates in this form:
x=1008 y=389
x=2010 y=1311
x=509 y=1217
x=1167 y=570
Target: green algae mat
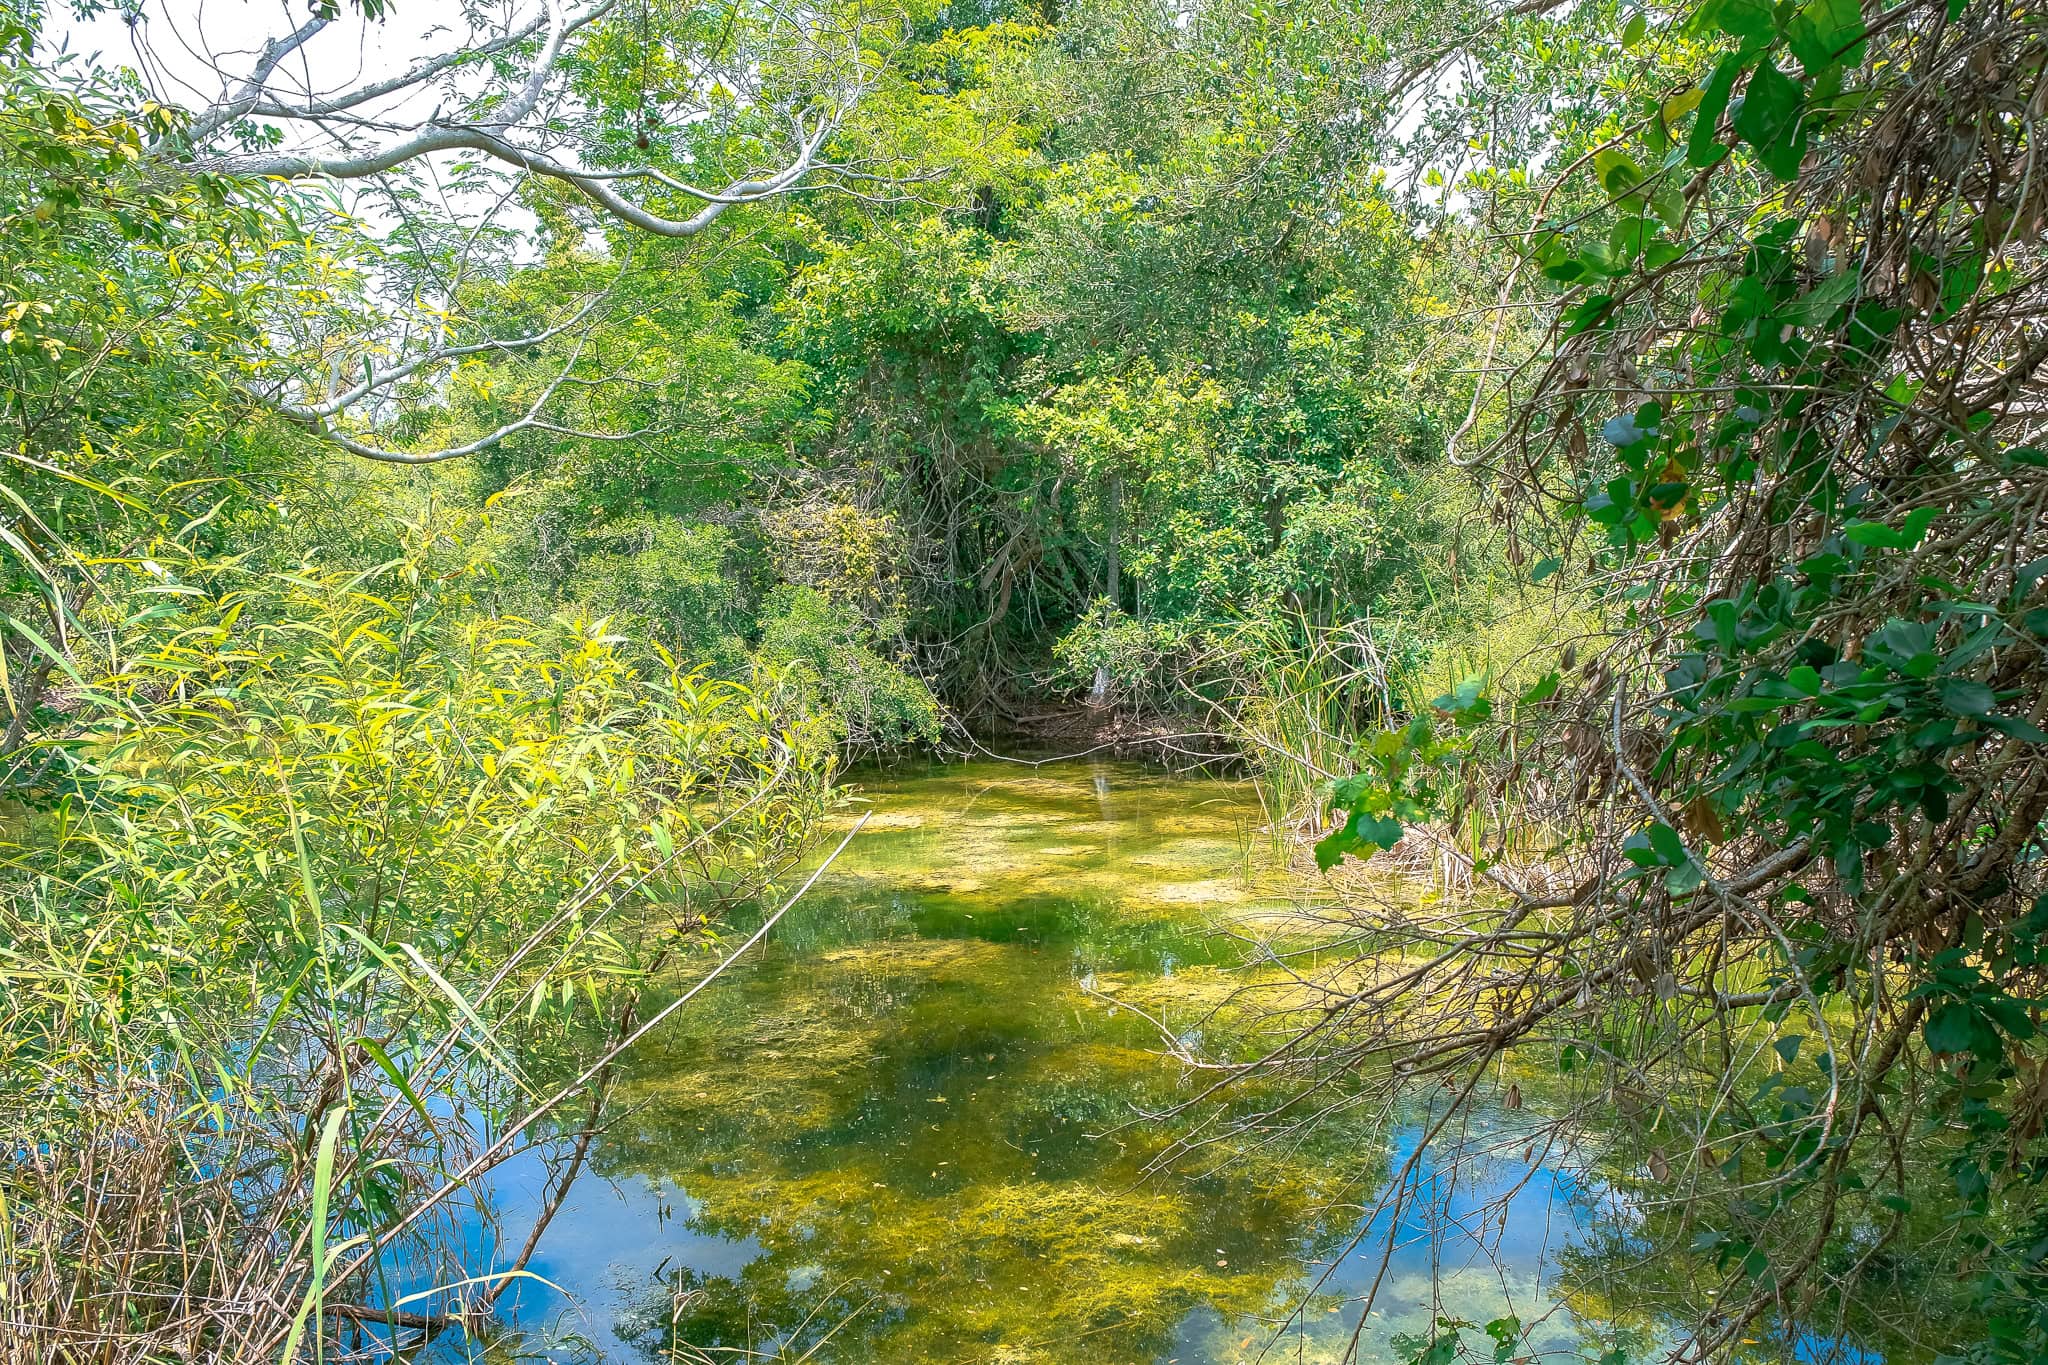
x=931 y=1121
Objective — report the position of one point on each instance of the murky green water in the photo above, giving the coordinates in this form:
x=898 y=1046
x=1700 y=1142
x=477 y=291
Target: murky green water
x=913 y=1128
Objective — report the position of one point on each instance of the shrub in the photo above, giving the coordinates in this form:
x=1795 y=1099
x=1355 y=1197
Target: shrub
x=825 y=657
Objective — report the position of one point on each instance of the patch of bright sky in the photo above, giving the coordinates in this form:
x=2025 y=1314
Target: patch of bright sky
x=189 y=53
x=194 y=53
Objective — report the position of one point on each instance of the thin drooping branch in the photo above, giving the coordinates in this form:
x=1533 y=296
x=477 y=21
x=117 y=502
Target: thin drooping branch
x=244 y=101
x=327 y=106
x=497 y=130
x=322 y=424
x=594 y=186
x=376 y=381
x=384 y=133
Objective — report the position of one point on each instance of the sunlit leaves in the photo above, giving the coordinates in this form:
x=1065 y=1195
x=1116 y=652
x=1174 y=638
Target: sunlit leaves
x=1404 y=775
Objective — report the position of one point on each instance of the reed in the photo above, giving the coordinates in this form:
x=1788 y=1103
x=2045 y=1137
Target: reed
x=1306 y=698
x=1301 y=697
x=341 y=885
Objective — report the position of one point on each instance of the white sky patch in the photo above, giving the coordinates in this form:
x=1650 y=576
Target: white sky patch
x=193 y=54
x=190 y=53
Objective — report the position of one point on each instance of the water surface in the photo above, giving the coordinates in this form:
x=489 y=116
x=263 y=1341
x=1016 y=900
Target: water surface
x=914 y=1127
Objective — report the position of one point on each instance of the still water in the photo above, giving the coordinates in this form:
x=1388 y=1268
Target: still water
x=920 y=1125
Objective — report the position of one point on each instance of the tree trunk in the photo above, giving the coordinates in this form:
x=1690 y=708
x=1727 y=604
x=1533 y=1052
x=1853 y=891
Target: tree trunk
x=1113 y=519
x=1113 y=496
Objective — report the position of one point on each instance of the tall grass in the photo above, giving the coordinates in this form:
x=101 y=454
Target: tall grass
x=1305 y=695
x=1308 y=697
x=337 y=865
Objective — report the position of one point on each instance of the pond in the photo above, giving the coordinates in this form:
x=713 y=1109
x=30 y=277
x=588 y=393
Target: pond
x=921 y=1124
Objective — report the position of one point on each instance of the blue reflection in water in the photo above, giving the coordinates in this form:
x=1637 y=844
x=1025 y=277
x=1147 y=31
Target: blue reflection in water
x=589 y=1283
x=1032 y=899
x=1468 y=1231
x=1475 y=1237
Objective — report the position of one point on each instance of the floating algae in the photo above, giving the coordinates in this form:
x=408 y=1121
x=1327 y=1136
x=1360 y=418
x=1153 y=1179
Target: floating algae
x=913 y=1127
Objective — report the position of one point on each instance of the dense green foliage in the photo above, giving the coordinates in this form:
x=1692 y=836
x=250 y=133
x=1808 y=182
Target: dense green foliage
x=1599 y=443
x=1786 y=409
x=1110 y=388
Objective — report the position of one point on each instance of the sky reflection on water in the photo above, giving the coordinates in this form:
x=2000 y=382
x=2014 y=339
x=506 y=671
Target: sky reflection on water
x=908 y=1120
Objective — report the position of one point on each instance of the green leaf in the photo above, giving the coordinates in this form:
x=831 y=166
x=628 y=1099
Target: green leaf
x=1382 y=831
x=1679 y=105
x=480 y=1031
x=1948 y=1029
x=397 y=1077
x=1819 y=305
x=1660 y=254
x=2017 y=728
x=1622 y=431
x=323 y=1182
x=1617 y=170
x=1877 y=536
x=1360 y=836
x=1736 y=18
x=1827 y=33
x=1441 y=1351
x=1544 y=689
x=1466 y=702
x=1544 y=568
x=1628 y=237
x=1591 y=313
x=1702 y=149
x=1769 y=120
x=1959 y=280
x=46 y=649
x=1668 y=203
x=1966 y=697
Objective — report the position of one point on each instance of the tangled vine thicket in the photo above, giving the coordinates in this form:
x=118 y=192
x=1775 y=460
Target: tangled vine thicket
x=1789 y=917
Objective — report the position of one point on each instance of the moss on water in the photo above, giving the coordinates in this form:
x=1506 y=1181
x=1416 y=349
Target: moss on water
x=920 y=1109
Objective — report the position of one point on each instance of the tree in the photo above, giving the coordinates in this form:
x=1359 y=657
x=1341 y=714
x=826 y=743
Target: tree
x=550 y=96
x=1784 y=409
x=191 y=294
